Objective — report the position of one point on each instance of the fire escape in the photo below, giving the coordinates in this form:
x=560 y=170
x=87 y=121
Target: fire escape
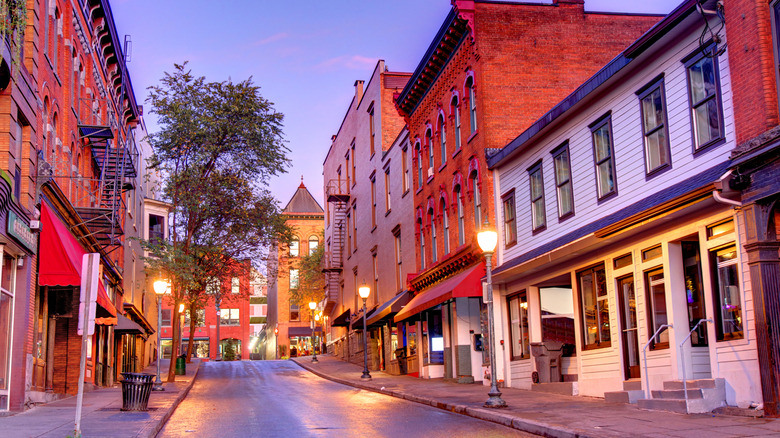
x=337 y=194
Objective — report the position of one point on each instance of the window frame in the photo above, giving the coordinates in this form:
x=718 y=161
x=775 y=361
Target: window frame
x=656 y=84
x=721 y=335
x=537 y=167
x=650 y=307
x=387 y=190
x=434 y=249
x=442 y=140
x=455 y=103
x=510 y=223
x=601 y=122
x=373 y=200
x=520 y=297
x=294 y=247
x=445 y=225
x=688 y=61
x=405 y=169
x=556 y=153
x=476 y=200
x=472 y=96
x=372 y=130
x=418 y=148
x=599 y=343
x=458 y=192
x=431 y=157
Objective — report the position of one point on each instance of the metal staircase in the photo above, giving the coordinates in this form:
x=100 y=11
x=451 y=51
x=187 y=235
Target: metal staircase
x=337 y=195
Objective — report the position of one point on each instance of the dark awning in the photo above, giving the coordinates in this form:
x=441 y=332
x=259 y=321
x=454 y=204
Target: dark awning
x=356 y=323
x=465 y=284
x=341 y=320
x=301 y=331
x=389 y=308
x=126 y=326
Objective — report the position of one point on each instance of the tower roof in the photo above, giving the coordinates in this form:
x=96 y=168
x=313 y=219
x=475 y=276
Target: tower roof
x=303 y=202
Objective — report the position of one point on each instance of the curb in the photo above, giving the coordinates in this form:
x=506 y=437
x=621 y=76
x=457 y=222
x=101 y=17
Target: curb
x=164 y=419
x=494 y=416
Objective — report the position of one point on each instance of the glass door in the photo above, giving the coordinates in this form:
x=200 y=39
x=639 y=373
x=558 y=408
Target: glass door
x=6 y=326
x=629 y=330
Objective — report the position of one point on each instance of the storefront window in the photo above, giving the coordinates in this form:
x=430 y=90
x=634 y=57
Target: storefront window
x=594 y=308
x=166 y=345
x=518 y=321
x=657 y=307
x=6 y=317
x=728 y=298
x=200 y=348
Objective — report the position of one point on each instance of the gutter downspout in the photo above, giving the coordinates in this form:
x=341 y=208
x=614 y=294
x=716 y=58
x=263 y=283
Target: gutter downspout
x=717 y=196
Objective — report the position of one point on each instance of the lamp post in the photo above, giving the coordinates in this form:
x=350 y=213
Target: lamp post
x=181 y=329
x=488 y=238
x=160 y=288
x=312 y=306
x=317 y=317
x=364 y=291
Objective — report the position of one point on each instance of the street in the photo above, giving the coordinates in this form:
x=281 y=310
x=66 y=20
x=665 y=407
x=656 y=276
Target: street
x=278 y=398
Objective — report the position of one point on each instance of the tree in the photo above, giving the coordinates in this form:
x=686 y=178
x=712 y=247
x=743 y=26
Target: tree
x=311 y=281
x=217 y=147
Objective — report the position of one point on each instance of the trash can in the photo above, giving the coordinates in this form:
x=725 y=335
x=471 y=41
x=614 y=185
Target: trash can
x=136 y=388
x=181 y=365
x=400 y=354
x=547 y=356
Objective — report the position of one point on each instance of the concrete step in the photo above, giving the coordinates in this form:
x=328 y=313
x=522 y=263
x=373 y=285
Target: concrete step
x=677 y=394
x=692 y=384
x=624 y=396
x=670 y=405
x=563 y=388
x=632 y=385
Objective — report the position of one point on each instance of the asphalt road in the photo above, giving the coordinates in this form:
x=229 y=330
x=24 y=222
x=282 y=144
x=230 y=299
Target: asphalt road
x=279 y=399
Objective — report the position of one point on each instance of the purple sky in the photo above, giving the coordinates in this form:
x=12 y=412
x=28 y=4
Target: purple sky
x=304 y=54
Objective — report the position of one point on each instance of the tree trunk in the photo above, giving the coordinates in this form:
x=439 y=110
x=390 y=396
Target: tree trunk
x=174 y=342
x=193 y=322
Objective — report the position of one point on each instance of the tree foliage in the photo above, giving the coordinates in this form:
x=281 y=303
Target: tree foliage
x=217 y=147
x=311 y=280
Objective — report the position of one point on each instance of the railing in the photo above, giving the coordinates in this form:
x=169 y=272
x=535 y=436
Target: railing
x=682 y=359
x=644 y=356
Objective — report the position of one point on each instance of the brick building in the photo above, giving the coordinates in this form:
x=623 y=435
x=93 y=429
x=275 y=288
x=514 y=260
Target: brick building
x=490 y=71
x=288 y=330
x=368 y=221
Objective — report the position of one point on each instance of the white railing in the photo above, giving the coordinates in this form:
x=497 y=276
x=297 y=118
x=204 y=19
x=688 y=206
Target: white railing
x=682 y=359
x=644 y=356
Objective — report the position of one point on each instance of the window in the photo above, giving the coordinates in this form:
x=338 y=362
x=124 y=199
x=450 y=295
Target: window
x=459 y=203
x=654 y=127
x=235 y=285
x=354 y=227
x=656 y=307
x=229 y=317
x=603 y=157
x=295 y=314
x=387 y=190
x=314 y=242
x=704 y=98
x=346 y=171
x=510 y=222
x=445 y=226
x=518 y=323
x=405 y=166
x=538 y=216
x=200 y=317
x=429 y=144
x=375 y=270
x=442 y=139
x=213 y=286
x=422 y=242
x=295 y=246
x=56 y=32
x=720 y=229
x=294 y=278
x=354 y=159
x=456 y=116
x=373 y=201
x=623 y=261
x=432 y=221
x=419 y=166
x=477 y=202
x=652 y=253
x=594 y=308
x=563 y=188
x=728 y=313
x=166 y=317
x=399 y=281
x=372 y=129
x=472 y=104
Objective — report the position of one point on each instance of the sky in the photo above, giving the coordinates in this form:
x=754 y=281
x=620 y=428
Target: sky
x=304 y=54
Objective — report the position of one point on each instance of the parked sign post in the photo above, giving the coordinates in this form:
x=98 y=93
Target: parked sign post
x=90 y=267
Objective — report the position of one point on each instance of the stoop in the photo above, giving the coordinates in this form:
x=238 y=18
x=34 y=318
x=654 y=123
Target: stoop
x=704 y=395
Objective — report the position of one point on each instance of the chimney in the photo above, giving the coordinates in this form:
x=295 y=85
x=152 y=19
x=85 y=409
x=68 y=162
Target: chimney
x=358 y=91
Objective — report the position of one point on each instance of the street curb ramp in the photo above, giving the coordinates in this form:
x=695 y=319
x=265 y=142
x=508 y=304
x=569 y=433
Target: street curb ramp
x=492 y=415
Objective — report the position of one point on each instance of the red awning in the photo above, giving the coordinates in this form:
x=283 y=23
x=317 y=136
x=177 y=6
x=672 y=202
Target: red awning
x=466 y=284
x=61 y=256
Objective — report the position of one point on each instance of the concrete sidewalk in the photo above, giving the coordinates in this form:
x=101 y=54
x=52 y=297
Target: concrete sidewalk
x=542 y=413
x=101 y=414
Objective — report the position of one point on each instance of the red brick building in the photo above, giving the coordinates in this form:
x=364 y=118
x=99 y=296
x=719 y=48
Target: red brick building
x=491 y=70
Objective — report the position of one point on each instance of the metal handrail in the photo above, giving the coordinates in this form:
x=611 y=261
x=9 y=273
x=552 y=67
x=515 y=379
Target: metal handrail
x=644 y=355
x=682 y=359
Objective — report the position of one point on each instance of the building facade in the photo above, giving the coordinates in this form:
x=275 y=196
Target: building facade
x=368 y=223
x=289 y=329
x=620 y=232
x=484 y=78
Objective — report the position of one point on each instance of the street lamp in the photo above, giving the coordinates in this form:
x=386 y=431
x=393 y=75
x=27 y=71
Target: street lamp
x=364 y=291
x=160 y=288
x=487 y=239
x=312 y=306
x=181 y=328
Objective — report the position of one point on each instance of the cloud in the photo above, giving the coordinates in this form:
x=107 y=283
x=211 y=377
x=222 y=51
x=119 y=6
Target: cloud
x=351 y=62
x=275 y=37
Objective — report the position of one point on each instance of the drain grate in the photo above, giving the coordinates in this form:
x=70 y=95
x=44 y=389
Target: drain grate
x=120 y=410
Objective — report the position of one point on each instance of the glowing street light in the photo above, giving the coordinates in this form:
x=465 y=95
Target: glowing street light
x=312 y=306
x=364 y=291
x=160 y=288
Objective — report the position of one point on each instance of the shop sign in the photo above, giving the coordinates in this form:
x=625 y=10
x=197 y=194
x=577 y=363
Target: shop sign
x=21 y=231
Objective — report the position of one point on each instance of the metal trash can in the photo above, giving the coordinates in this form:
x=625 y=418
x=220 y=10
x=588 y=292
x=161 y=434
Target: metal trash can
x=136 y=388
x=547 y=356
x=181 y=365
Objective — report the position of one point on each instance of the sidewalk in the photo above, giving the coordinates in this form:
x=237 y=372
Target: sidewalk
x=101 y=414
x=542 y=413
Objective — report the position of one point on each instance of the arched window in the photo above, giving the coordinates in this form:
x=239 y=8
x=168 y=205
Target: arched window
x=477 y=200
x=295 y=246
x=314 y=242
x=419 y=165
x=459 y=202
x=432 y=221
x=445 y=237
x=46 y=135
x=442 y=139
x=422 y=242
x=456 y=116
x=472 y=104
x=429 y=143
x=53 y=139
